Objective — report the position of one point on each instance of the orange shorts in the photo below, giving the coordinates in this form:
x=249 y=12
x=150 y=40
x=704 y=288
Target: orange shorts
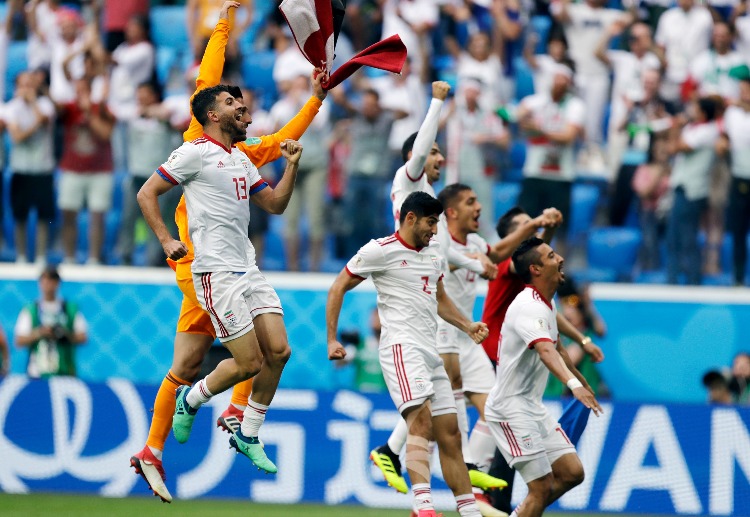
x=193 y=319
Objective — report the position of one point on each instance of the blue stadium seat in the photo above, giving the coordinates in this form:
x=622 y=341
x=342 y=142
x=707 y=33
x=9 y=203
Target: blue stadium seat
x=592 y=274
x=165 y=60
x=583 y=202
x=274 y=258
x=257 y=73
x=615 y=249
x=524 y=78
x=517 y=156
x=16 y=64
x=541 y=26
x=506 y=197
x=651 y=277
x=169 y=27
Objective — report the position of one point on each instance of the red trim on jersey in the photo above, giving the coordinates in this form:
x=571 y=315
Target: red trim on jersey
x=406 y=170
x=406 y=244
x=403 y=380
x=515 y=449
x=353 y=275
x=458 y=241
x=562 y=432
x=540 y=340
x=489 y=249
x=164 y=174
x=209 y=300
x=539 y=296
x=217 y=143
x=198 y=141
x=388 y=240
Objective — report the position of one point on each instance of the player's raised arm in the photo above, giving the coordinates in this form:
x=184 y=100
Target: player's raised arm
x=427 y=131
x=346 y=281
x=506 y=246
x=275 y=200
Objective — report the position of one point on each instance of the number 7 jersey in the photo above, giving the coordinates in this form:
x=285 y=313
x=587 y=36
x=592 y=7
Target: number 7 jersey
x=406 y=280
x=217 y=183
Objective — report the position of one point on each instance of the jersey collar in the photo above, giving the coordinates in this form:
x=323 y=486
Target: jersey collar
x=217 y=143
x=406 y=244
x=541 y=296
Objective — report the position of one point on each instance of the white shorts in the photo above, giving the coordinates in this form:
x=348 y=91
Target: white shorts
x=415 y=374
x=477 y=373
x=93 y=190
x=531 y=446
x=234 y=299
x=447 y=338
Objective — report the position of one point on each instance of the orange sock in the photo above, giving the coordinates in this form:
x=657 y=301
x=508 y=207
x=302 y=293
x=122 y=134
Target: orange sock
x=241 y=393
x=164 y=406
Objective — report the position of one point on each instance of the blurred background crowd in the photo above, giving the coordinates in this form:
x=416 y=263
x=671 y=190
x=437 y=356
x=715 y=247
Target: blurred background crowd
x=648 y=102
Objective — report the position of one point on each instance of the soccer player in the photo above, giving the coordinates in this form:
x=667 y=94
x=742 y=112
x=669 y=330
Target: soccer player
x=500 y=293
x=407 y=270
x=529 y=439
x=218 y=180
x=195 y=332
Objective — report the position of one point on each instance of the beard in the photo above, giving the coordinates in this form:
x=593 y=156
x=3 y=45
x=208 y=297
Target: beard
x=233 y=128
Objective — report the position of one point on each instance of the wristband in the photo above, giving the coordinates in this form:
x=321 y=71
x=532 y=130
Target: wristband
x=574 y=383
x=585 y=341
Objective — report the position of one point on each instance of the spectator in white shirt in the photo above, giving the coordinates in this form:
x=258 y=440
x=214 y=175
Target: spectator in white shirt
x=683 y=33
x=69 y=47
x=412 y=21
x=543 y=66
x=628 y=70
x=584 y=25
x=715 y=71
x=30 y=119
x=44 y=31
x=133 y=62
x=480 y=61
x=693 y=145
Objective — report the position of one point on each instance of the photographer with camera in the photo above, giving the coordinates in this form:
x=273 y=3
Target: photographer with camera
x=50 y=328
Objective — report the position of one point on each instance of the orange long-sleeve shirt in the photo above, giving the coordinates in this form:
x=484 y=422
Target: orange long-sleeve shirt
x=261 y=150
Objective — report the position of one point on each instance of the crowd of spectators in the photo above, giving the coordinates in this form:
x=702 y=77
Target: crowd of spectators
x=647 y=100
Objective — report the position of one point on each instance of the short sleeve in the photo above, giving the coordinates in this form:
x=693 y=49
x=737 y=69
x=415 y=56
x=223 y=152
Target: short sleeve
x=182 y=165
x=23 y=323
x=80 y=325
x=575 y=112
x=704 y=135
x=368 y=260
x=46 y=107
x=257 y=183
x=533 y=325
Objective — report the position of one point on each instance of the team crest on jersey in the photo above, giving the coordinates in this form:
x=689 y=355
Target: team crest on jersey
x=541 y=324
x=245 y=165
x=419 y=384
x=527 y=441
x=253 y=140
x=230 y=317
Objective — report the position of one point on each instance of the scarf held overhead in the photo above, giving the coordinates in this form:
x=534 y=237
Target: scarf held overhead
x=312 y=25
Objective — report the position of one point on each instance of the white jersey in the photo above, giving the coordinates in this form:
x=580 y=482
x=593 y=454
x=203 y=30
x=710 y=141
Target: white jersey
x=461 y=284
x=217 y=183
x=521 y=375
x=406 y=281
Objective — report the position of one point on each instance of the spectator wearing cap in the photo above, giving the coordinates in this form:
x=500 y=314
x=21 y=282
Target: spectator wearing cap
x=30 y=118
x=51 y=328
x=553 y=123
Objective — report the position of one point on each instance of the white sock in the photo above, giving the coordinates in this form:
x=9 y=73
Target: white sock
x=467 y=506
x=422 y=496
x=156 y=452
x=198 y=394
x=463 y=425
x=253 y=417
x=397 y=439
x=482 y=445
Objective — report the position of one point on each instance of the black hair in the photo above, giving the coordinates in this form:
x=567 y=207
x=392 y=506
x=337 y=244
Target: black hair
x=234 y=91
x=154 y=87
x=205 y=101
x=407 y=147
x=525 y=255
x=710 y=106
x=420 y=204
x=450 y=193
x=505 y=223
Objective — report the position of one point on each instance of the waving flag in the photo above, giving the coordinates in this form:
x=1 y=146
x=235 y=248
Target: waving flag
x=312 y=24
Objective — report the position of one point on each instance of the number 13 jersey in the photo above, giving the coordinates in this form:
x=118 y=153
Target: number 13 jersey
x=217 y=183
x=406 y=281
